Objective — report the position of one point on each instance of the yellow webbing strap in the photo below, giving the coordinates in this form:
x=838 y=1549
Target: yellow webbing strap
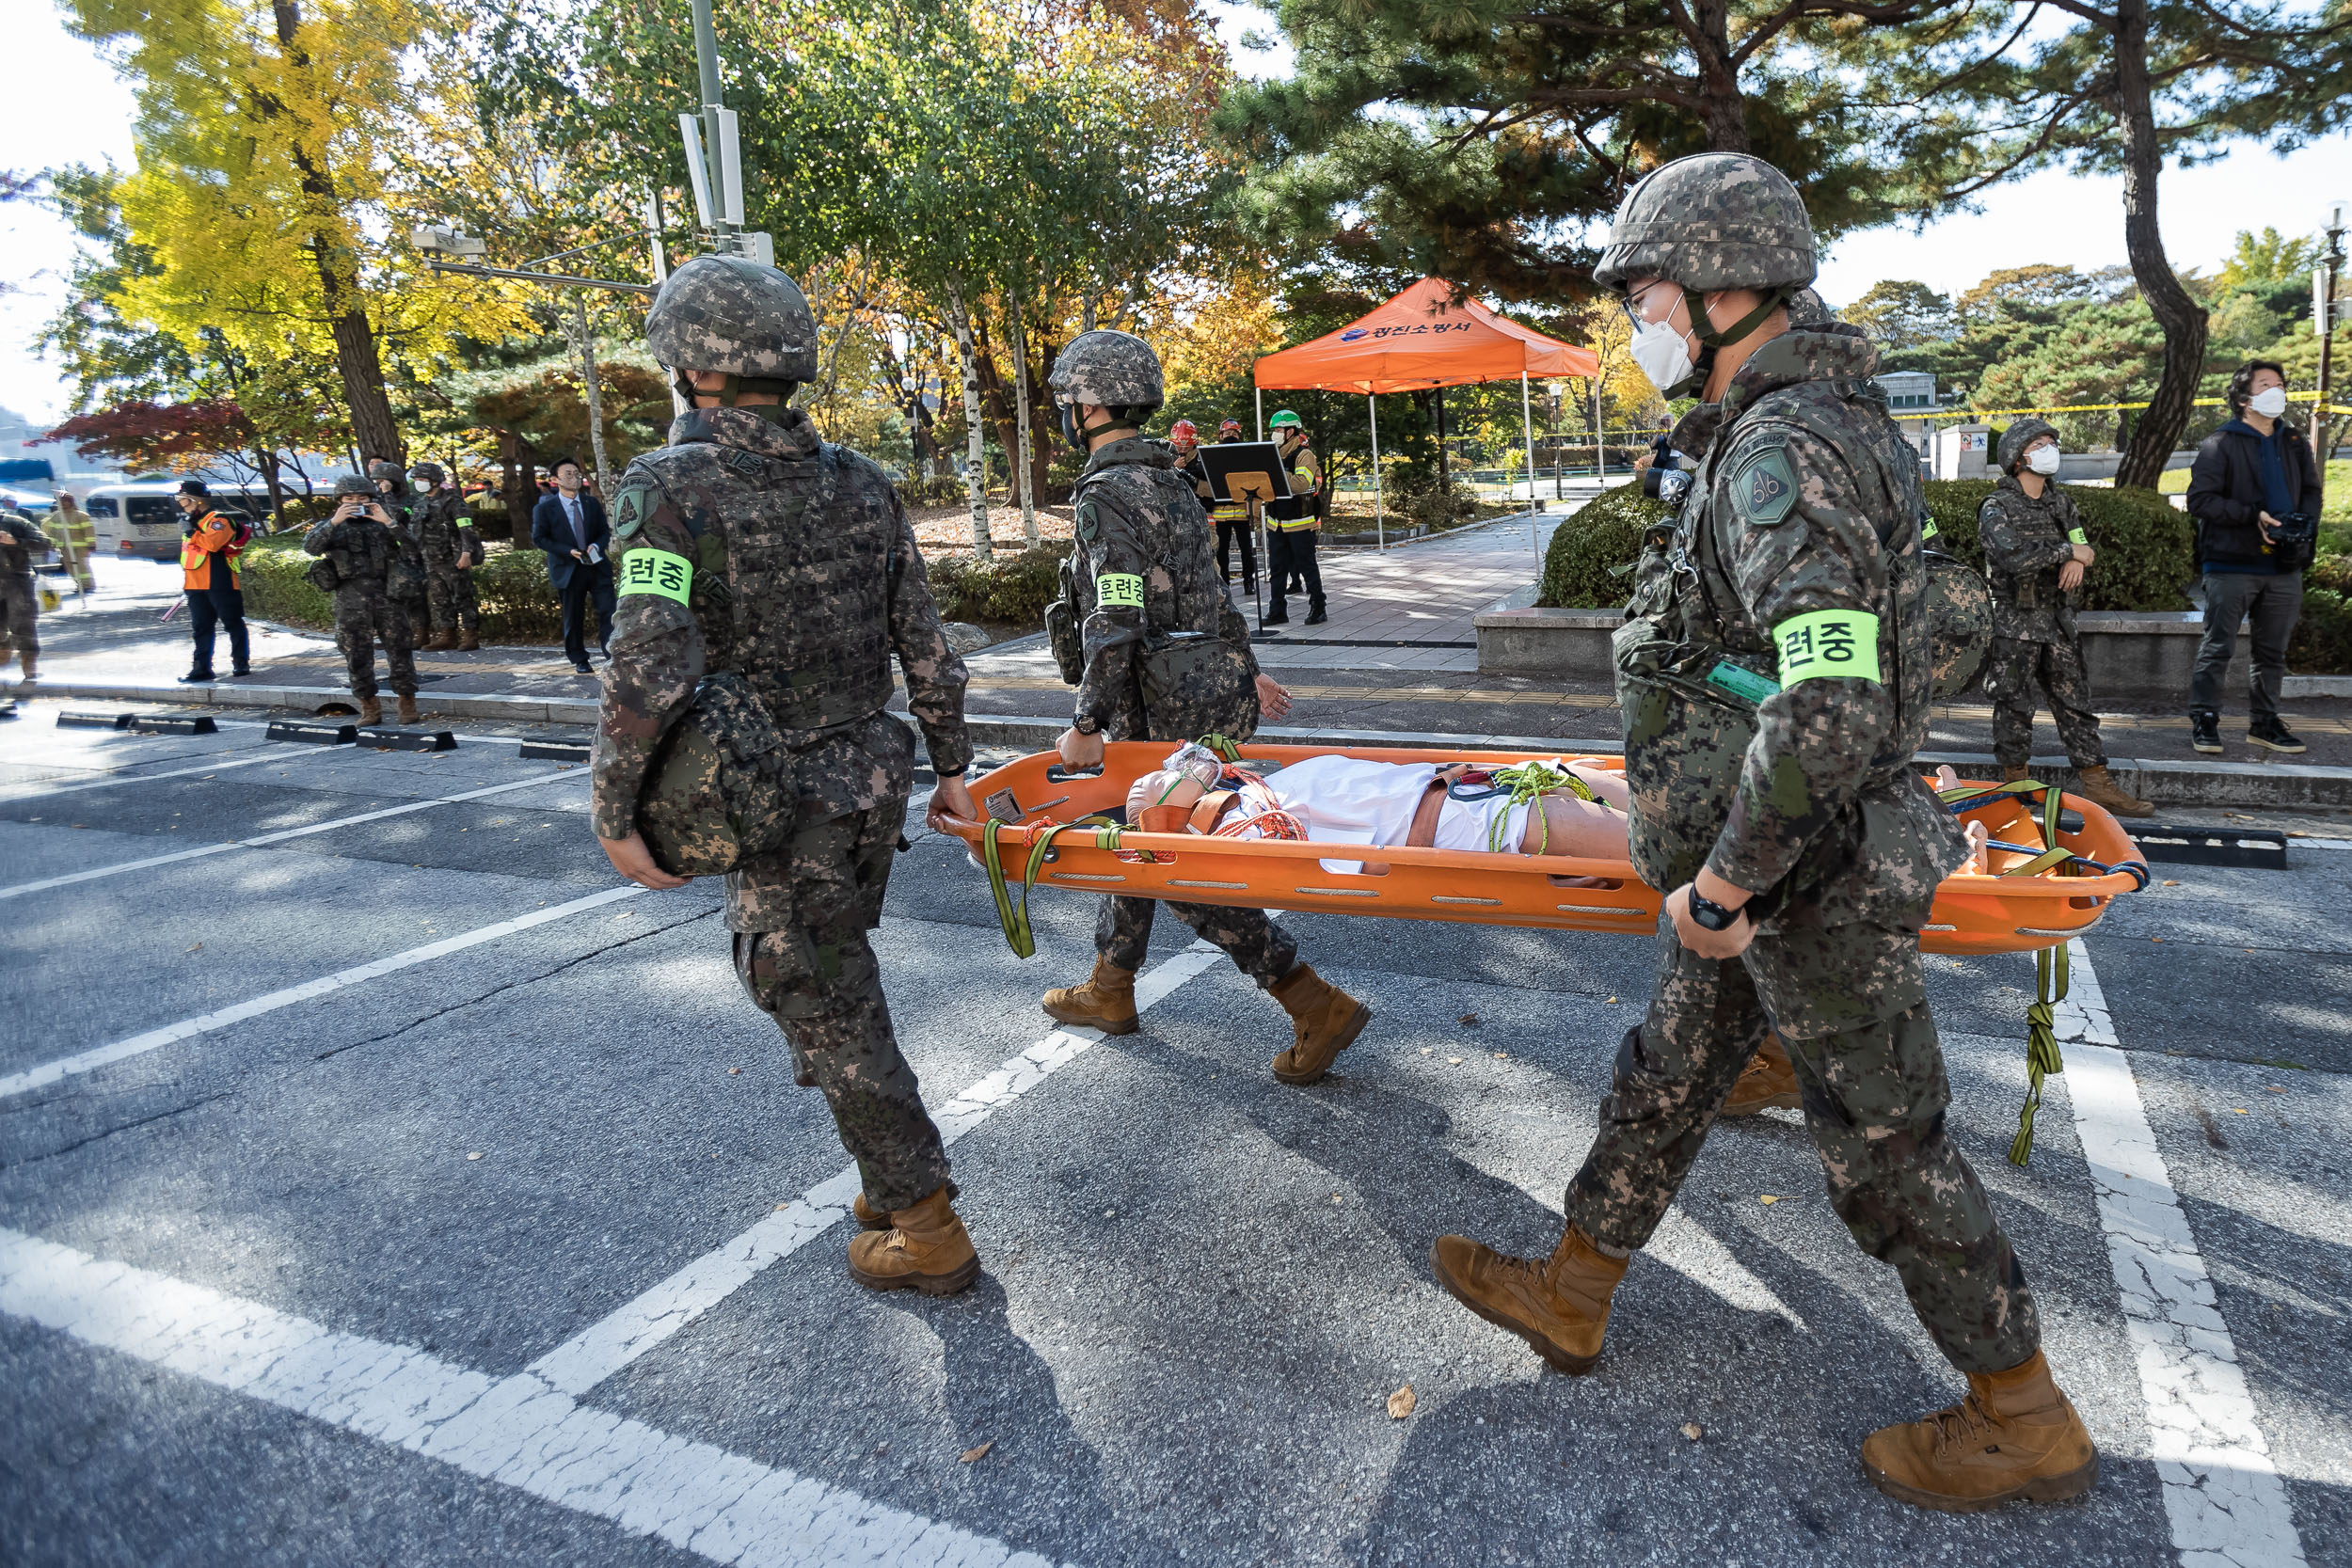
x=1226 y=751
x=2042 y=1048
x=1013 y=917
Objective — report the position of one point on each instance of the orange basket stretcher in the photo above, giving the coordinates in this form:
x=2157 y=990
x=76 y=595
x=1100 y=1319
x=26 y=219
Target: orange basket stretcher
x=2047 y=884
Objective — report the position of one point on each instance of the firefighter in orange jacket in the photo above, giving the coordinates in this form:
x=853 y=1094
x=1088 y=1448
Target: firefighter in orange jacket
x=208 y=563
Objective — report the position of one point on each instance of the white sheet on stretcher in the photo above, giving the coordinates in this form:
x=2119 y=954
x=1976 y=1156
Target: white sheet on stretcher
x=1353 y=801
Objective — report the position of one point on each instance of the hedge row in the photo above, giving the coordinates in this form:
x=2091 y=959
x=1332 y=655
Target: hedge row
x=1012 y=590
x=518 y=604
x=2143 y=543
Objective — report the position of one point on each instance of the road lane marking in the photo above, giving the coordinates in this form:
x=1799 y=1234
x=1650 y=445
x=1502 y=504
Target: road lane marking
x=604 y=1348
x=514 y=1431
x=171 y=1033
x=2227 y=1506
x=37 y=790
x=202 y=849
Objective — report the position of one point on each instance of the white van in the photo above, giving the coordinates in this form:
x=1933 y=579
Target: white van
x=141 y=520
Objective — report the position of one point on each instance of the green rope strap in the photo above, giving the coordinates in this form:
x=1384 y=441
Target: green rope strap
x=1524 y=782
x=1014 y=917
x=1226 y=750
x=2042 y=1047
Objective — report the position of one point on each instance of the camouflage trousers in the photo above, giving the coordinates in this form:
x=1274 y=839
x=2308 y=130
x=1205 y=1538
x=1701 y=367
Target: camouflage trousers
x=449 y=592
x=1259 y=948
x=361 y=618
x=18 y=608
x=2010 y=673
x=818 y=978
x=1874 y=1094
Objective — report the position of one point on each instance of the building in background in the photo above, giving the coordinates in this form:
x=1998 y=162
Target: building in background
x=1911 y=398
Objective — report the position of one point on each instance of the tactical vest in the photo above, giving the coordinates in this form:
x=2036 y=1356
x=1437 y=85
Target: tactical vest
x=799 y=531
x=1692 y=664
x=357 y=556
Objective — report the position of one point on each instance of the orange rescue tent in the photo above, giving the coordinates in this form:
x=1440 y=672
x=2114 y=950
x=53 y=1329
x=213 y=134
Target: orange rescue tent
x=1429 y=336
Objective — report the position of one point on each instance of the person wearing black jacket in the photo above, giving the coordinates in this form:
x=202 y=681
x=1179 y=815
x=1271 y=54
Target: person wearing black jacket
x=2253 y=490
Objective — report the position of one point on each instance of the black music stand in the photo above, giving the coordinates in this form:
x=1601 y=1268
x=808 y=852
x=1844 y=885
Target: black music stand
x=1251 y=473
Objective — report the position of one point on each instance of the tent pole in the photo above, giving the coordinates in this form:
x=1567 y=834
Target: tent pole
x=1600 y=451
x=1259 y=392
x=1379 y=518
x=1527 y=422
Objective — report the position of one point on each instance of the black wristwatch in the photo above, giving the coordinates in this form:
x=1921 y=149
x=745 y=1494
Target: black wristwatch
x=1715 y=916
x=1086 y=725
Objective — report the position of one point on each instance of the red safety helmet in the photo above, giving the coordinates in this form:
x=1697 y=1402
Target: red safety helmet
x=1231 y=427
x=1183 y=434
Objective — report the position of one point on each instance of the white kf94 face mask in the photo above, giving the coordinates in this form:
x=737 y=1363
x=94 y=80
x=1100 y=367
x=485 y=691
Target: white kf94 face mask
x=2042 y=460
x=1663 y=353
x=2269 y=403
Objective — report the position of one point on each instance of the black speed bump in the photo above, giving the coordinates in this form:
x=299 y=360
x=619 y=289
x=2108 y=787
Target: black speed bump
x=2265 y=847
x=171 y=724
x=71 y=719
x=310 y=734
x=554 y=750
x=409 y=740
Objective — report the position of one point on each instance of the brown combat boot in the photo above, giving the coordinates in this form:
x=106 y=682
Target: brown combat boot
x=1768 y=1083
x=436 y=643
x=2014 y=1435
x=1560 y=1307
x=2098 y=786
x=468 y=642
x=870 y=1218
x=926 y=1248
x=408 y=714
x=1105 y=1002
x=371 y=711
x=1325 y=1021
x=2016 y=775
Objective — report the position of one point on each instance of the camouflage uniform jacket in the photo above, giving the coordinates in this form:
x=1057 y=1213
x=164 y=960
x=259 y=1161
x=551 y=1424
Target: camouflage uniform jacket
x=1785 y=562
x=1146 y=548
x=361 y=549
x=2027 y=539
x=21 y=542
x=750 y=545
x=445 y=530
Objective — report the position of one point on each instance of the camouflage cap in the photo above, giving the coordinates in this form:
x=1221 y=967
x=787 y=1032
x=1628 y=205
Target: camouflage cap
x=1809 y=312
x=2016 y=438
x=1714 y=220
x=356 y=484
x=1110 y=370
x=430 y=472
x=728 y=314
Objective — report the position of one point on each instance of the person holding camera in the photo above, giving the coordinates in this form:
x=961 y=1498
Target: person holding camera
x=358 y=550
x=2254 y=492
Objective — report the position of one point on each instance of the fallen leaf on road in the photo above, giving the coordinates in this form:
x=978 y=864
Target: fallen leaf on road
x=1694 y=1431
x=1502 y=1056
x=2240 y=1110
x=1467 y=1020
x=198 y=949
x=476 y=1155
x=1612 y=999
x=1425 y=1051
x=2172 y=882
x=735 y=1072
x=1455 y=1060
x=1401 y=1403
x=973 y=1456
x=1767 y=1198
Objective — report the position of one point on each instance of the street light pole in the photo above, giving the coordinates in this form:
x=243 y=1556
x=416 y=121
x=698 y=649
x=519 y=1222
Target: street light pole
x=2324 y=322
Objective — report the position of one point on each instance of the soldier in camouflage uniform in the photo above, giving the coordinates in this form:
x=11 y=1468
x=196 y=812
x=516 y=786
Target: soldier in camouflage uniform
x=405 y=585
x=755 y=556
x=1801 y=846
x=2034 y=543
x=22 y=546
x=1164 y=655
x=358 y=550
x=451 y=549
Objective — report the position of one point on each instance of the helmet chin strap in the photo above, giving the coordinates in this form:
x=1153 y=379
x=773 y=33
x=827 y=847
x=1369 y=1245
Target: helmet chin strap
x=1712 y=338
x=730 y=387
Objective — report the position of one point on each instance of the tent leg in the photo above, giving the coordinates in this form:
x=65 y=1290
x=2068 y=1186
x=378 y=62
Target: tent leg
x=1259 y=392
x=1379 y=518
x=1600 y=447
x=1527 y=421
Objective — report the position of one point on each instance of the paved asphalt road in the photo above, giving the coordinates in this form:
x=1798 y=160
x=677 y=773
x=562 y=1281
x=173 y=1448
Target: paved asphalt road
x=510 y=1239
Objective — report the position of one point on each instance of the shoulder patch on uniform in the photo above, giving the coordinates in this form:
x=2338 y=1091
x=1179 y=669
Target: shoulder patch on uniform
x=631 y=509
x=1764 y=487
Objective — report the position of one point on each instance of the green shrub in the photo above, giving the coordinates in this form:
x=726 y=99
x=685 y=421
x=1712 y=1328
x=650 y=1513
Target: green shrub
x=1011 y=589
x=941 y=490
x=2323 y=636
x=518 y=603
x=1416 y=494
x=2143 y=545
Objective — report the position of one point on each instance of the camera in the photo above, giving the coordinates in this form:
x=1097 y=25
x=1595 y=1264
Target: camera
x=1665 y=480
x=2297 y=527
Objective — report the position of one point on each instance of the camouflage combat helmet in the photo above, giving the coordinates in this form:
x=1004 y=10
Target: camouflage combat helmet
x=429 y=472
x=728 y=314
x=2016 y=438
x=384 y=471
x=1960 y=621
x=1714 y=220
x=356 y=484
x=720 y=791
x=1112 y=370
x=1809 y=312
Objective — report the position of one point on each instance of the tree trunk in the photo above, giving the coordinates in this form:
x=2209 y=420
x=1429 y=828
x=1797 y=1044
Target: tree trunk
x=517 y=463
x=2182 y=317
x=1021 y=410
x=1445 y=471
x=582 y=340
x=1723 y=112
x=974 y=441
x=266 y=461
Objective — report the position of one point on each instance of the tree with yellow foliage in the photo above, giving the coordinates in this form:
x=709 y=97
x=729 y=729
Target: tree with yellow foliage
x=260 y=185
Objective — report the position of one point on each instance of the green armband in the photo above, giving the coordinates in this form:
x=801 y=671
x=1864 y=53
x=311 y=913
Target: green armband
x=2074 y=536
x=1827 y=643
x=645 y=570
x=1116 y=588
x=1926 y=529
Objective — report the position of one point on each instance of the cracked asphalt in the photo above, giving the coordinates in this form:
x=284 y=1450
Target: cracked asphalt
x=1200 y=1287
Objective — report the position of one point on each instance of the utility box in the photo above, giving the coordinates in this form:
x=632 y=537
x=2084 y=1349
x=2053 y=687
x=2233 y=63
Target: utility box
x=1964 y=452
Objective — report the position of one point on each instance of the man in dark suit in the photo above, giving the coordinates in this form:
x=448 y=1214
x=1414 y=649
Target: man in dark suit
x=569 y=525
